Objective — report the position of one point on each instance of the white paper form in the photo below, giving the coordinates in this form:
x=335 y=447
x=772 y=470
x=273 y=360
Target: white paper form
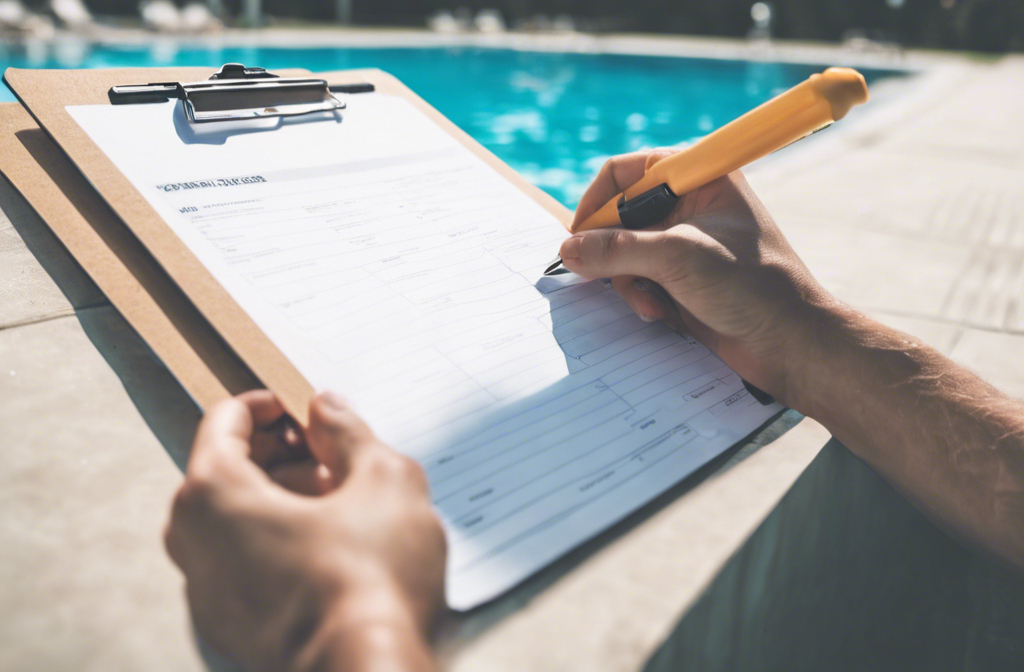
x=388 y=262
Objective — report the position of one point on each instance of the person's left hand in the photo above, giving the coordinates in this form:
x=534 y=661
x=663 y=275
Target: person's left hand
x=334 y=562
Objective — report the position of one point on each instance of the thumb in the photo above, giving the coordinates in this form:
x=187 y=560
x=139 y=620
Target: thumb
x=608 y=253
x=336 y=434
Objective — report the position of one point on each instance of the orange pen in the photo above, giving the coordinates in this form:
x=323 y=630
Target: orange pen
x=806 y=108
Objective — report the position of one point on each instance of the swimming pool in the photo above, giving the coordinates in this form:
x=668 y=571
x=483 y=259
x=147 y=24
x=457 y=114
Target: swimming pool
x=554 y=117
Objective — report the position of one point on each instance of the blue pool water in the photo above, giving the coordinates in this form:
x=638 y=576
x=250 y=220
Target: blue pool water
x=554 y=117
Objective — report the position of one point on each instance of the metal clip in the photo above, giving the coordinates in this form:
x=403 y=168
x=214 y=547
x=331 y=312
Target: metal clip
x=235 y=93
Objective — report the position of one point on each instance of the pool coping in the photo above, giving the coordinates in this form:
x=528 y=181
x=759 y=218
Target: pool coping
x=634 y=44
x=928 y=69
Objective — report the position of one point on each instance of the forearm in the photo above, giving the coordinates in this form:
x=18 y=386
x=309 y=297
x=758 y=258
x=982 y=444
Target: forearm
x=381 y=635
x=950 y=442
x=379 y=648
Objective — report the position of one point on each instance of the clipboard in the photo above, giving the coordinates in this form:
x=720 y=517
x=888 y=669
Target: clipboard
x=114 y=259
x=45 y=93
x=119 y=265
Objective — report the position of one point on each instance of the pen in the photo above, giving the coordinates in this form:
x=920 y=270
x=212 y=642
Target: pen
x=805 y=109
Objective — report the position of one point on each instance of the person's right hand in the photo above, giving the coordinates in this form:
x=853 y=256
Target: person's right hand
x=718 y=267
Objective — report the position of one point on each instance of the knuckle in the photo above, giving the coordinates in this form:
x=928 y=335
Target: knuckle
x=203 y=464
x=614 y=167
x=402 y=468
x=413 y=472
x=196 y=493
x=383 y=464
x=396 y=468
x=218 y=415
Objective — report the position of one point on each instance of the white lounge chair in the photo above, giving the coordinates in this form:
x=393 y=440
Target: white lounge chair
x=12 y=14
x=197 y=18
x=17 y=22
x=489 y=21
x=563 y=23
x=72 y=14
x=443 y=22
x=161 y=16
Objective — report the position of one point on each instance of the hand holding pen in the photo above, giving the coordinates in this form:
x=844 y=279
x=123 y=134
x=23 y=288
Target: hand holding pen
x=698 y=249
x=717 y=268
x=791 y=116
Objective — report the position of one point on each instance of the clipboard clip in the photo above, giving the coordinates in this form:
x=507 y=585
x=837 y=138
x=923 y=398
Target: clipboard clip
x=236 y=93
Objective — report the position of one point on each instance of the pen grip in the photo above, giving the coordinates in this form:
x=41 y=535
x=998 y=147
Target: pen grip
x=791 y=116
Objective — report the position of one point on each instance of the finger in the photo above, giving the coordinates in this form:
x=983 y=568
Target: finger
x=634 y=291
x=305 y=478
x=656 y=155
x=275 y=446
x=683 y=321
x=268 y=449
x=275 y=436
x=172 y=541
x=607 y=253
x=724 y=194
x=242 y=424
x=336 y=434
x=616 y=175
x=222 y=445
x=264 y=407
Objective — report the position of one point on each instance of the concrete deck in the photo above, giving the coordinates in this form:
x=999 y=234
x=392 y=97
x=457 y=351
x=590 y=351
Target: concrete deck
x=913 y=211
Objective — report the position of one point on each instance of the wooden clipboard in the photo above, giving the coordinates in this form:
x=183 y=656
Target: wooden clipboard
x=206 y=372
x=114 y=259
x=119 y=265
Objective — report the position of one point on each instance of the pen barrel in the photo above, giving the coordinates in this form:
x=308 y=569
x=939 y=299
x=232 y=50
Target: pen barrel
x=793 y=115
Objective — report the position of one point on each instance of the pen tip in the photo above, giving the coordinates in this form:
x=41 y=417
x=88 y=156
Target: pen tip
x=555 y=267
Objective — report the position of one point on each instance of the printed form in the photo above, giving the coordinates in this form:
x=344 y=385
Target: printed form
x=390 y=263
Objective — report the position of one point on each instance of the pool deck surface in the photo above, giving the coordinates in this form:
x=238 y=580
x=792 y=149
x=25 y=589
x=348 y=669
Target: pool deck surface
x=912 y=211
x=915 y=213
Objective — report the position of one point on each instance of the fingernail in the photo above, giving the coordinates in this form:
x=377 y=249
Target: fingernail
x=571 y=248
x=639 y=285
x=333 y=400
x=649 y=318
